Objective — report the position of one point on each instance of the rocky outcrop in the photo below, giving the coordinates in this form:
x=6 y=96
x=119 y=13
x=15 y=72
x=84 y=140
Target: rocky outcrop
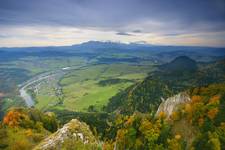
x=74 y=130
x=170 y=105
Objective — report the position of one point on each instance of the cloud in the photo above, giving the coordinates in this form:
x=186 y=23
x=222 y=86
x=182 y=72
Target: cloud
x=124 y=33
x=137 y=31
x=15 y=36
x=133 y=17
x=102 y=13
x=172 y=34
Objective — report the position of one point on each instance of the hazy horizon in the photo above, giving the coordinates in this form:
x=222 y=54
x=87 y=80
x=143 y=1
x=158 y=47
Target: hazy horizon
x=115 y=42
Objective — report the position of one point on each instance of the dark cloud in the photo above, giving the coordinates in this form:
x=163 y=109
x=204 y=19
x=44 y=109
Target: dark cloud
x=160 y=15
x=137 y=31
x=124 y=33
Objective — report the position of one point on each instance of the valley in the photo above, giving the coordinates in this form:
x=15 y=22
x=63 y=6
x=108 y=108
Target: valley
x=113 y=96
x=72 y=82
x=54 y=88
x=49 y=79
x=112 y=75
x=82 y=77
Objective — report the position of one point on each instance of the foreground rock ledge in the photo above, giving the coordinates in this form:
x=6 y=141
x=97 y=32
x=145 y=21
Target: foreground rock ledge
x=75 y=131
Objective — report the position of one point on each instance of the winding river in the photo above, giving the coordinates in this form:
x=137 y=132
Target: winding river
x=28 y=99
x=23 y=87
x=23 y=92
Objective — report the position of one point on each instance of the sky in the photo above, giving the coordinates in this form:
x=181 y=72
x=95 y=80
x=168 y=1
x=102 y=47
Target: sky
x=65 y=22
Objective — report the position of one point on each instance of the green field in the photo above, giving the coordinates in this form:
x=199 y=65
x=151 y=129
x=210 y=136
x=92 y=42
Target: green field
x=81 y=87
x=36 y=65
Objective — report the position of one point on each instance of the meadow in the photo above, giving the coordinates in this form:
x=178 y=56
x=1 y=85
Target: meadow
x=81 y=88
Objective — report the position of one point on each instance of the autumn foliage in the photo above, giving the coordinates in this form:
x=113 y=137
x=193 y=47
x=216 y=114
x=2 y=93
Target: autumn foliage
x=13 y=118
x=202 y=107
x=215 y=99
x=212 y=113
x=32 y=118
x=196 y=99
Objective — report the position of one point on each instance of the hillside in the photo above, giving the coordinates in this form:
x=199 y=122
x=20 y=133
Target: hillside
x=177 y=106
x=167 y=80
x=193 y=120
x=181 y=64
x=22 y=129
x=112 y=74
x=26 y=129
x=76 y=88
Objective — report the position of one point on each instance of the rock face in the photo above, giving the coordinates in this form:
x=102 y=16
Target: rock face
x=74 y=130
x=169 y=105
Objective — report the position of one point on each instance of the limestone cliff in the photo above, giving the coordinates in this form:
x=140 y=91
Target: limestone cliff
x=169 y=105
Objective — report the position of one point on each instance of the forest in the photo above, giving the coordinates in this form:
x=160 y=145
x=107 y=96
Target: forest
x=130 y=121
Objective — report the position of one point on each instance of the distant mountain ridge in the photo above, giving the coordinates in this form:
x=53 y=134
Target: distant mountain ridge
x=110 y=44
x=95 y=44
x=93 y=49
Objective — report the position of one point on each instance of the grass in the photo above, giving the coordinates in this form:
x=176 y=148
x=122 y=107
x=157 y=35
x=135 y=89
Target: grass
x=47 y=94
x=46 y=101
x=79 y=97
x=81 y=89
x=18 y=138
x=36 y=65
x=9 y=102
x=133 y=76
x=87 y=73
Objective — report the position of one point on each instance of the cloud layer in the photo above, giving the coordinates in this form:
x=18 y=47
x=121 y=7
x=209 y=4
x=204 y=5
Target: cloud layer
x=137 y=18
